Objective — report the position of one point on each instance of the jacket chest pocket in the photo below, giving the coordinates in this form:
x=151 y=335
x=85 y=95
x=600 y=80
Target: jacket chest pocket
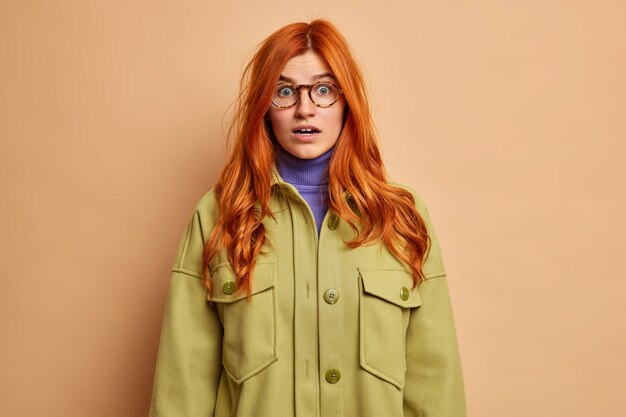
x=249 y=341
x=386 y=300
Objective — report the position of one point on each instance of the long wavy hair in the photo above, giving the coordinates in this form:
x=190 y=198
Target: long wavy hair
x=356 y=169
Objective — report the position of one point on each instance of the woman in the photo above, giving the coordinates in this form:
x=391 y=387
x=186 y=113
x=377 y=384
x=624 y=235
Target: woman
x=306 y=284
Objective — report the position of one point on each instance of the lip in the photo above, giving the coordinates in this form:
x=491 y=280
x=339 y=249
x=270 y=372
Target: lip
x=305 y=138
x=305 y=127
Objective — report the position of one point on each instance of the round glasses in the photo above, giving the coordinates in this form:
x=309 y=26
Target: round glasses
x=321 y=93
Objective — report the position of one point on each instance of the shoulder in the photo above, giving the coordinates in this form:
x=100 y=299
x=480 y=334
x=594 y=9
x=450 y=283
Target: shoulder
x=204 y=216
x=194 y=238
x=207 y=202
x=434 y=264
x=420 y=205
x=207 y=209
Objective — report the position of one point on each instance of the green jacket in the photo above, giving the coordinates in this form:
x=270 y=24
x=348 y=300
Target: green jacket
x=330 y=331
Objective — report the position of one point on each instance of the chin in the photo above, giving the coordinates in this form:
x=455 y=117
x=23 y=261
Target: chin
x=308 y=153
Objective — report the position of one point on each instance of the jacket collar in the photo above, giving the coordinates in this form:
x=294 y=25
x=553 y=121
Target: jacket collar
x=275 y=176
x=276 y=179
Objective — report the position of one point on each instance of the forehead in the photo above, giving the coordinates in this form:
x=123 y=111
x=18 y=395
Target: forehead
x=304 y=67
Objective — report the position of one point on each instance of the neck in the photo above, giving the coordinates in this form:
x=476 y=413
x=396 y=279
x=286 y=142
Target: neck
x=304 y=171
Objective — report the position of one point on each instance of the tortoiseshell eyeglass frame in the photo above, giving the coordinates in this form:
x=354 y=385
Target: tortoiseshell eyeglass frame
x=309 y=87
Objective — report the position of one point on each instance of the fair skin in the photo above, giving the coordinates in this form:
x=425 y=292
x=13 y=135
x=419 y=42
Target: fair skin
x=325 y=123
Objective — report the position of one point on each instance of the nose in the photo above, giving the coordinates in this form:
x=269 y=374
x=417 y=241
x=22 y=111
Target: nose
x=304 y=106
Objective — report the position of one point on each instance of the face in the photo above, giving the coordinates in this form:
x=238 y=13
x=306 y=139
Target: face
x=325 y=122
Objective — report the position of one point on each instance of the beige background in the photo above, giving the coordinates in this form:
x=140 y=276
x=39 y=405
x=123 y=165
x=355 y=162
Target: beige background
x=508 y=118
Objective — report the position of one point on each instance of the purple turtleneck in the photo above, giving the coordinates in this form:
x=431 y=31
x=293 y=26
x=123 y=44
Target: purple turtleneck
x=310 y=178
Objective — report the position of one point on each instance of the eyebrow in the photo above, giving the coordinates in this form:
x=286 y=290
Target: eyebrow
x=315 y=77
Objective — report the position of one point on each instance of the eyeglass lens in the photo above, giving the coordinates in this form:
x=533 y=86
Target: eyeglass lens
x=322 y=94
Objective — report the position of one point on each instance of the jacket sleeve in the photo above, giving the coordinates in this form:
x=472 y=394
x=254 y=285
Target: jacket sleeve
x=434 y=379
x=189 y=363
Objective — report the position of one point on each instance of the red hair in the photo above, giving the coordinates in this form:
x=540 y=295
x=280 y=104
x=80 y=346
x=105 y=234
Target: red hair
x=384 y=211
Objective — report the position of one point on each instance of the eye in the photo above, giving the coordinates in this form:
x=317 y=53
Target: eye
x=284 y=91
x=324 y=89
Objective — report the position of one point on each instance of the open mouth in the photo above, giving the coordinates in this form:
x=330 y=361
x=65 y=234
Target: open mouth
x=305 y=132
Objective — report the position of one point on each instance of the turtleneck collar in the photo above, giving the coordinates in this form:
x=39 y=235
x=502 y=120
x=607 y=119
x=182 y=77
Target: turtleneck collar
x=304 y=171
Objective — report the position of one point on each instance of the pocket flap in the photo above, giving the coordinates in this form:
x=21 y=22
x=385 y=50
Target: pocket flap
x=393 y=285
x=225 y=289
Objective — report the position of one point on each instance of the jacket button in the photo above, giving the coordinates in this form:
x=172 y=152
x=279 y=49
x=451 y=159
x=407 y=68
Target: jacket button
x=404 y=293
x=331 y=296
x=333 y=221
x=333 y=375
x=228 y=287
